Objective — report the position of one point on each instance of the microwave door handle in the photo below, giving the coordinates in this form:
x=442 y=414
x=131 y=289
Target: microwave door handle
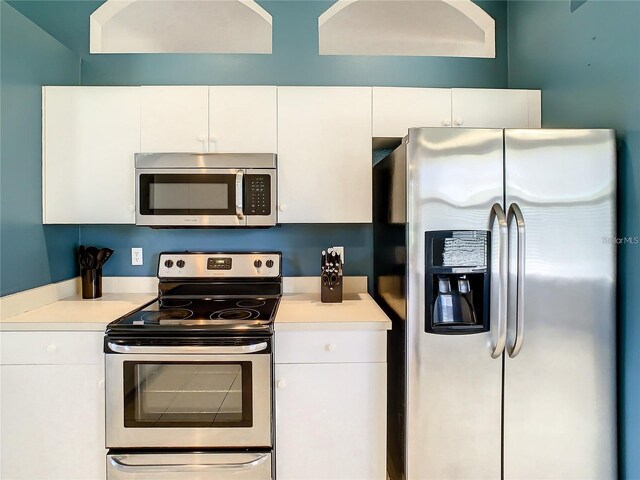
x=118 y=462
x=239 y=194
x=199 y=350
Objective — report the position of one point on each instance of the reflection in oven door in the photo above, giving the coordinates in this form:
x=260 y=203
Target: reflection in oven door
x=187 y=394
x=189 y=466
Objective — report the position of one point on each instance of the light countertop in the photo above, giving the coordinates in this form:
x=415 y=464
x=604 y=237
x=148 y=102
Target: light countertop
x=305 y=311
x=297 y=311
x=74 y=313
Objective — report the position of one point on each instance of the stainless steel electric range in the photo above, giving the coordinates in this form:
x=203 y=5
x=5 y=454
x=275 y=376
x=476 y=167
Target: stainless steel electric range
x=189 y=376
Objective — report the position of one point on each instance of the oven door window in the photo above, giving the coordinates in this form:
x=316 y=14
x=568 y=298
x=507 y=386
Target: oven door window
x=187 y=394
x=187 y=194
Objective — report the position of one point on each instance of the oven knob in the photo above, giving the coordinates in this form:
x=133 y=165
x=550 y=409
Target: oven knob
x=257 y=263
x=180 y=263
x=269 y=263
x=168 y=263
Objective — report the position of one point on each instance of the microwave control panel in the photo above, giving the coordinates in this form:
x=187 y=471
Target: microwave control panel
x=257 y=194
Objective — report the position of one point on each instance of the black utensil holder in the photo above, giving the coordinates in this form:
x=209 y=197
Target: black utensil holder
x=331 y=295
x=91 y=282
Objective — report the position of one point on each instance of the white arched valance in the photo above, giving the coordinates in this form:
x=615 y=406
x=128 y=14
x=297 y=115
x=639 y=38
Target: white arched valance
x=451 y=28
x=180 y=26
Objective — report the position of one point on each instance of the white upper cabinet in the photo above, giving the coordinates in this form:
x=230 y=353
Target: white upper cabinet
x=324 y=154
x=90 y=135
x=395 y=110
x=496 y=108
x=243 y=119
x=322 y=135
x=174 y=119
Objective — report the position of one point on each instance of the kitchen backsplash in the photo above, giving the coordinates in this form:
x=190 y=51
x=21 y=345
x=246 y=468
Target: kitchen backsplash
x=300 y=244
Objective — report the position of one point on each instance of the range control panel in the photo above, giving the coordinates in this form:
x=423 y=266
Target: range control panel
x=257 y=199
x=219 y=263
x=208 y=265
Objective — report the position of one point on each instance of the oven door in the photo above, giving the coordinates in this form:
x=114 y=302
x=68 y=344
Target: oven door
x=189 y=466
x=184 y=396
x=190 y=197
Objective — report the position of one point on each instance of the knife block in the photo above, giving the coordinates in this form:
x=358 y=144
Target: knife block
x=331 y=295
x=331 y=280
x=328 y=295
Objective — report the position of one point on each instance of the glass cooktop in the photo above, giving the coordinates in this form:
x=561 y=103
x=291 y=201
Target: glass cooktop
x=250 y=315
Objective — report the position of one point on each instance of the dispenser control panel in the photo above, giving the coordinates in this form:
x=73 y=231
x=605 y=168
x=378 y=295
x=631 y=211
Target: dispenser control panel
x=458 y=271
x=460 y=250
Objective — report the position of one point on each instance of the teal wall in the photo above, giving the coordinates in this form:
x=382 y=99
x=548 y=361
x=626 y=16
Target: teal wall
x=587 y=64
x=30 y=254
x=295 y=61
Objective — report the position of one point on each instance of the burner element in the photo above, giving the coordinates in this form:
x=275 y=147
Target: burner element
x=174 y=302
x=235 y=314
x=168 y=314
x=251 y=303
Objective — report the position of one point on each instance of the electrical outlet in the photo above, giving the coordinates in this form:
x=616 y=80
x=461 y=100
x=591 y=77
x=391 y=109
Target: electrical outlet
x=339 y=251
x=136 y=256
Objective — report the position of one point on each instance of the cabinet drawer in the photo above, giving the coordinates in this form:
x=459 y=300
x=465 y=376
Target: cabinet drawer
x=51 y=348
x=331 y=346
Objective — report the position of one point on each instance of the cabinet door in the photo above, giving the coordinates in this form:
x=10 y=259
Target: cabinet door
x=90 y=135
x=52 y=422
x=331 y=421
x=243 y=119
x=496 y=108
x=324 y=154
x=395 y=110
x=174 y=119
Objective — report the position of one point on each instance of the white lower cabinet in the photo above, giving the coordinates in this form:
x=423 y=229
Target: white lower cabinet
x=52 y=407
x=331 y=417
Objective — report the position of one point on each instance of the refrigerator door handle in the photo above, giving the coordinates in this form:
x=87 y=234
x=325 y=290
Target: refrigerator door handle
x=497 y=213
x=515 y=212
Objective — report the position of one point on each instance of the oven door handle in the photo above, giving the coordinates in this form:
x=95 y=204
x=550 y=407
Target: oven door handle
x=118 y=462
x=189 y=349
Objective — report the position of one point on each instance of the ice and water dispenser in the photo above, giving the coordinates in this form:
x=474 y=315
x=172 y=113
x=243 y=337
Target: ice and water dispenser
x=458 y=276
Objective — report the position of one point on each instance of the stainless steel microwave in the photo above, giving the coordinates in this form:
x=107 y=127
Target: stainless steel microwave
x=206 y=189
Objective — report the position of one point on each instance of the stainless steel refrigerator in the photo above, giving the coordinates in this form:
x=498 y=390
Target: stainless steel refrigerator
x=495 y=258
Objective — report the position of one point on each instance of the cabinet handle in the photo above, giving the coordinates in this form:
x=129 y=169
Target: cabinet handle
x=51 y=348
x=101 y=383
x=212 y=139
x=281 y=384
x=446 y=123
x=459 y=122
x=132 y=208
x=331 y=347
x=202 y=138
x=283 y=207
